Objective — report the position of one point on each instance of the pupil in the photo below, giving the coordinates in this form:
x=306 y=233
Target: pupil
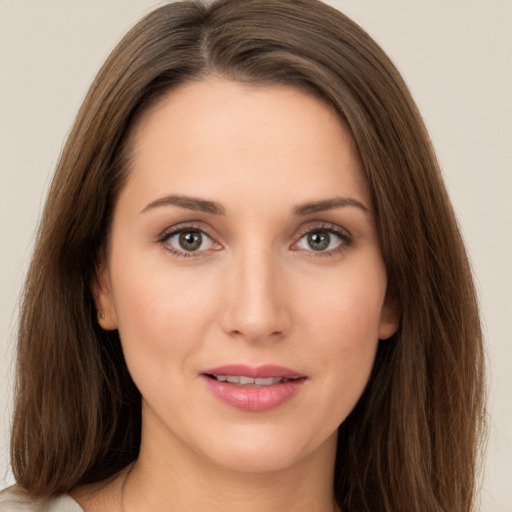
x=190 y=240
x=319 y=240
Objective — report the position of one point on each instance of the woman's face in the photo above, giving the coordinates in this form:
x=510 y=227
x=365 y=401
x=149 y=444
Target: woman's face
x=245 y=277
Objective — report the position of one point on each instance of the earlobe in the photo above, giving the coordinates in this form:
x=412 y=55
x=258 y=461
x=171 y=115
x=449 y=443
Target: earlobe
x=104 y=300
x=389 y=318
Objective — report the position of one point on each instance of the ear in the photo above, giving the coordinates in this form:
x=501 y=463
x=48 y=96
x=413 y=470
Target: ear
x=104 y=299
x=389 y=317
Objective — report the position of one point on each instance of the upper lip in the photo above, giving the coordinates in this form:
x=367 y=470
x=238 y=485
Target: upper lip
x=256 y=372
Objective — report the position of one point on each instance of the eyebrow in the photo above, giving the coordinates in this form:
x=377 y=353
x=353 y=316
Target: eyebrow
x=329 y=204
x=202 y=205
x=190 y=203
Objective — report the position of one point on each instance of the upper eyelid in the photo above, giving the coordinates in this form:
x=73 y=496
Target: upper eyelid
x=183 y=226
x=319 y=225
x=310 y=226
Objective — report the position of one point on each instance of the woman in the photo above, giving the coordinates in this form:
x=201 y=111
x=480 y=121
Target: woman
x=248 y=290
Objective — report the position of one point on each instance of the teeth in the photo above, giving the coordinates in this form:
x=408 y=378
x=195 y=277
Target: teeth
x=264 y=382
x=242 y=380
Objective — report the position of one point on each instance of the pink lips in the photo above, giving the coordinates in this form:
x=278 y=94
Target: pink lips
x=253 y=397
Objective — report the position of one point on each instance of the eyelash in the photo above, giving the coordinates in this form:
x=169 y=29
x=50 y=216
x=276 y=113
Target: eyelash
x=345 y=237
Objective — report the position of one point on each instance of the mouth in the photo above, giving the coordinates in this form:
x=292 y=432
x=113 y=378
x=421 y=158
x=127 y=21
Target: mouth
x=243 y=380
x=254 y=389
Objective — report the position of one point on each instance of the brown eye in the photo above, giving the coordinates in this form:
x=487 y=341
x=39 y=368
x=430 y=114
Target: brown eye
x=190 y=240
x=319 y=240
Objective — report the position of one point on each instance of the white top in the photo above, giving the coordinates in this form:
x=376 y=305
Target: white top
x=15 y=499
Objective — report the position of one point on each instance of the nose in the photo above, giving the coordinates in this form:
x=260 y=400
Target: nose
x=255 y=307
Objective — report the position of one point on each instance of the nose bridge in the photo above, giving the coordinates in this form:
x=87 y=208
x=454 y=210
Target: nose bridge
x=255 y=308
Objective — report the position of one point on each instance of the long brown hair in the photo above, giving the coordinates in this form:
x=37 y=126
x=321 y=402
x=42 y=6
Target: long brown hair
x=412 y=442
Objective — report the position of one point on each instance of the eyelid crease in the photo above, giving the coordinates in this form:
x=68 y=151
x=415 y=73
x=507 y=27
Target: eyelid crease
x=328 y=226
x=176 y=228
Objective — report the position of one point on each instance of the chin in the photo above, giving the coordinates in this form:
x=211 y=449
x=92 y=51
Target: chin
x=268 y=449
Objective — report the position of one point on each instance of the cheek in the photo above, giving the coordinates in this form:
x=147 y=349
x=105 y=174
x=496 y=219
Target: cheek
x=347 y=306
x=162 y=311
x=351 y=337
x=344 y=321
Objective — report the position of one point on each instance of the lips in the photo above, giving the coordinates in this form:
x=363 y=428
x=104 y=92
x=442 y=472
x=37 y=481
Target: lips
x=254 y=389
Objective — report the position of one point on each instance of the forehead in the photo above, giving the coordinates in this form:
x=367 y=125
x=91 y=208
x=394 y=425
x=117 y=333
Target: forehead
x=215 y=136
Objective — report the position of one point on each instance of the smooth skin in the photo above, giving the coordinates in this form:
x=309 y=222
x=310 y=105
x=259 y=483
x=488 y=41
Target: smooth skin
x=244 y=235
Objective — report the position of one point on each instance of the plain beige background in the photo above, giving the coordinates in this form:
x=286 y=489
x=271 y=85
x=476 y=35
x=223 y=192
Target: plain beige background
x=456 y=56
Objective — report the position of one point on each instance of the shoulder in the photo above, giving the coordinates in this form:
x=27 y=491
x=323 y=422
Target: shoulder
x=15 y=499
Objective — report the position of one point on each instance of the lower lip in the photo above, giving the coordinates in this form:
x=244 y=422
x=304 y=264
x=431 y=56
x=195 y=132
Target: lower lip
x=254 y=398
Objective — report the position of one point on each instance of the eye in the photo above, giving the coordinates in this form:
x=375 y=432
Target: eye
x=326 y=240
x=188 y=240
